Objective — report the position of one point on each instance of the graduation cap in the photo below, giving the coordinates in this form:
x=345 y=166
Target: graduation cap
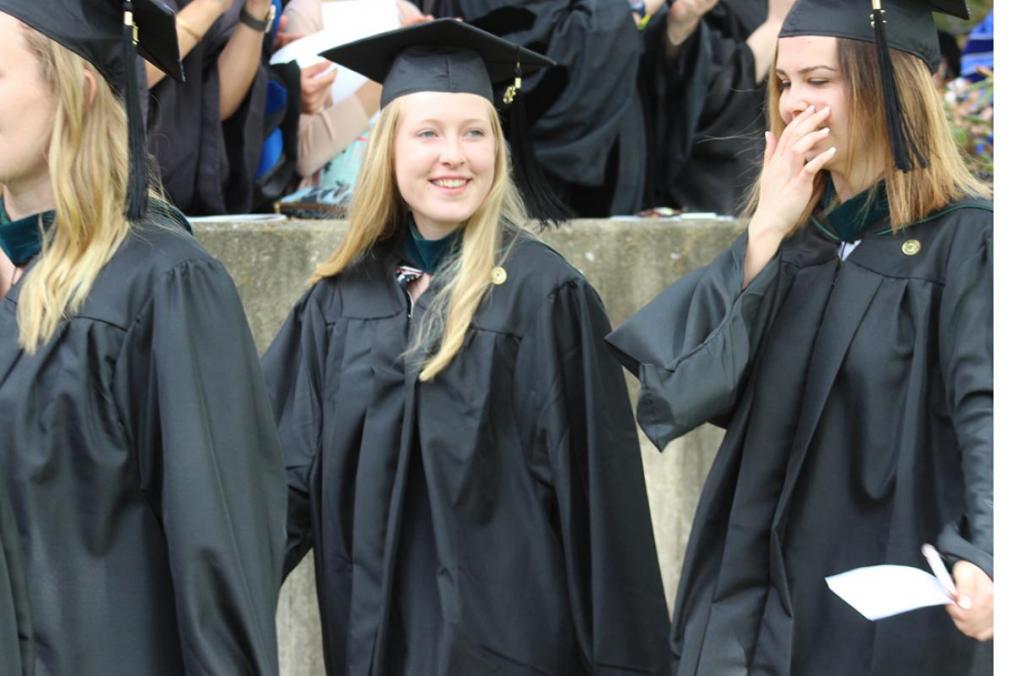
x=906 y=25
x=451 y=56
x=445 y=55
x=110 y=34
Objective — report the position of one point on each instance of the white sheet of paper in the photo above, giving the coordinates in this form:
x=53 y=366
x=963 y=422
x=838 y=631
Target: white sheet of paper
x=877 y=592
x=344 y=21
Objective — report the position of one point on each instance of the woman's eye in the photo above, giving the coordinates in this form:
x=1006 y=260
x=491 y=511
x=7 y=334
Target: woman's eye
x=426 y=133
x=783 y=85
x=817 y=82
x=478 y=133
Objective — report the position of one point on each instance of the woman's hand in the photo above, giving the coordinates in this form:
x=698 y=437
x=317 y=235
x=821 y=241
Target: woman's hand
x=683 y=19
x=409 y=14
x=973 y=613
x=787 y=176
x=315 y=86
x=283 y=37
x=786 y=186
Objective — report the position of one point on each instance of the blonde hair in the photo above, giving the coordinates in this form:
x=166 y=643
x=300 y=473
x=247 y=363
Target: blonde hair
x=88 y=169
x=377 y=213
x=914 y=195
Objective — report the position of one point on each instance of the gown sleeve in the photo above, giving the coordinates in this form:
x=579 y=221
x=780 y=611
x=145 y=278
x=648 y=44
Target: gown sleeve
x=586 y=440
x=967 y=364
x=294 y=370
x=15 y=623
x=691 y=346
x=210 y=464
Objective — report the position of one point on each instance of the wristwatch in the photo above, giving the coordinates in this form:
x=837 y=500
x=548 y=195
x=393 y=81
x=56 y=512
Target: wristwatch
x=260 y=25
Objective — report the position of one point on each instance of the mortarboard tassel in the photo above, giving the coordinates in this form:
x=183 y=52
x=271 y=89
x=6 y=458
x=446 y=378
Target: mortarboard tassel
x=137 y=186
x=540 y=201
x=904 y=147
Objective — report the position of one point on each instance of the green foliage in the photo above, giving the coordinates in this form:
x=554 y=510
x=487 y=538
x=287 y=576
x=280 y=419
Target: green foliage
x=970 y=108
x=977 y=10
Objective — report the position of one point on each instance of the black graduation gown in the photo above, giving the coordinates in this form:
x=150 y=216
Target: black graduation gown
x=144 y=471
x=207 y=165
x=585 y=120
x=15 y=622
x=858 y=401
x=492 y=521
x=704 y=113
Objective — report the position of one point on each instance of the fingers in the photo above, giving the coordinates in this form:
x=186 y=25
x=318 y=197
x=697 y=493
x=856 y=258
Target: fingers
x=417 y=20
x=967 y=622
x=967 y=581
x=973 y=613
x=769 y=146
x=812 y=168
x=809 y=140
x=312 y=85
x=325 y=81
x=801 y=125
x=317 y=68
x=315 y=87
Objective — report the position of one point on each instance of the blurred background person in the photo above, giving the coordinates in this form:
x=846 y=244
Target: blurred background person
x=206 y=134
x=702 y=82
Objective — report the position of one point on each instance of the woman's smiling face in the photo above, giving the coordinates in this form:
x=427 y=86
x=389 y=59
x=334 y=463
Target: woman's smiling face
x=445 y=157
x=808 y=72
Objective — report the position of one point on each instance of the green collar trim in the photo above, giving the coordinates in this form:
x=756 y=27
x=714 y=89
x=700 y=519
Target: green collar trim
x=428 y=254
x=22 y=239
x=852 y=219
x=979 y=204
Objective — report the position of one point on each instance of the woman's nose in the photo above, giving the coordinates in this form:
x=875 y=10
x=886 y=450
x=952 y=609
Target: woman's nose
x=451 y=152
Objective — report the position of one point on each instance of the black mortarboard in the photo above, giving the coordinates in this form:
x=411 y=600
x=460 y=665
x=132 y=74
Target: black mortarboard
x=110 y=34
x=445 y=55
x=906 y=25
x=448 y=55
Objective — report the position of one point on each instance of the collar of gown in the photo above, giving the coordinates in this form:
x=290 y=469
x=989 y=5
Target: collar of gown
x=21 y=240
x=851 y=220
x=428 y=254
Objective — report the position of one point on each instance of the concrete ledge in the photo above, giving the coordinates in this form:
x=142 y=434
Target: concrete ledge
x=628 y=261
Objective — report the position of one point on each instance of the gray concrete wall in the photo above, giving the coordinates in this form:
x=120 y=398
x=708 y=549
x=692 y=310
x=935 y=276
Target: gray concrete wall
x=628 y=261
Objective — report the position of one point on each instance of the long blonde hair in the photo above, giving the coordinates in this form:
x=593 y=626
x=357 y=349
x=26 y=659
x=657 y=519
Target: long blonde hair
x=914 y=195
x=377 y=213
x=88 y=169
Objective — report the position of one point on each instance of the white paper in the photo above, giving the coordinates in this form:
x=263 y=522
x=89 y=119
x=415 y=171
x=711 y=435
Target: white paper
x=877 y=592
x=344 y=21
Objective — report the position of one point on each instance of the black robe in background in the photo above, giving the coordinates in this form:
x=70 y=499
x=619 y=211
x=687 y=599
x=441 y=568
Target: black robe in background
x=584 y=114
x=15 y=621
x=207 y=165
x=858 y=401
x=139 y=456
x=492 y=521
x=704 y=113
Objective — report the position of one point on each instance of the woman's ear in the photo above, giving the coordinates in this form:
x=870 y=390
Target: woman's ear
x=91 y=86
